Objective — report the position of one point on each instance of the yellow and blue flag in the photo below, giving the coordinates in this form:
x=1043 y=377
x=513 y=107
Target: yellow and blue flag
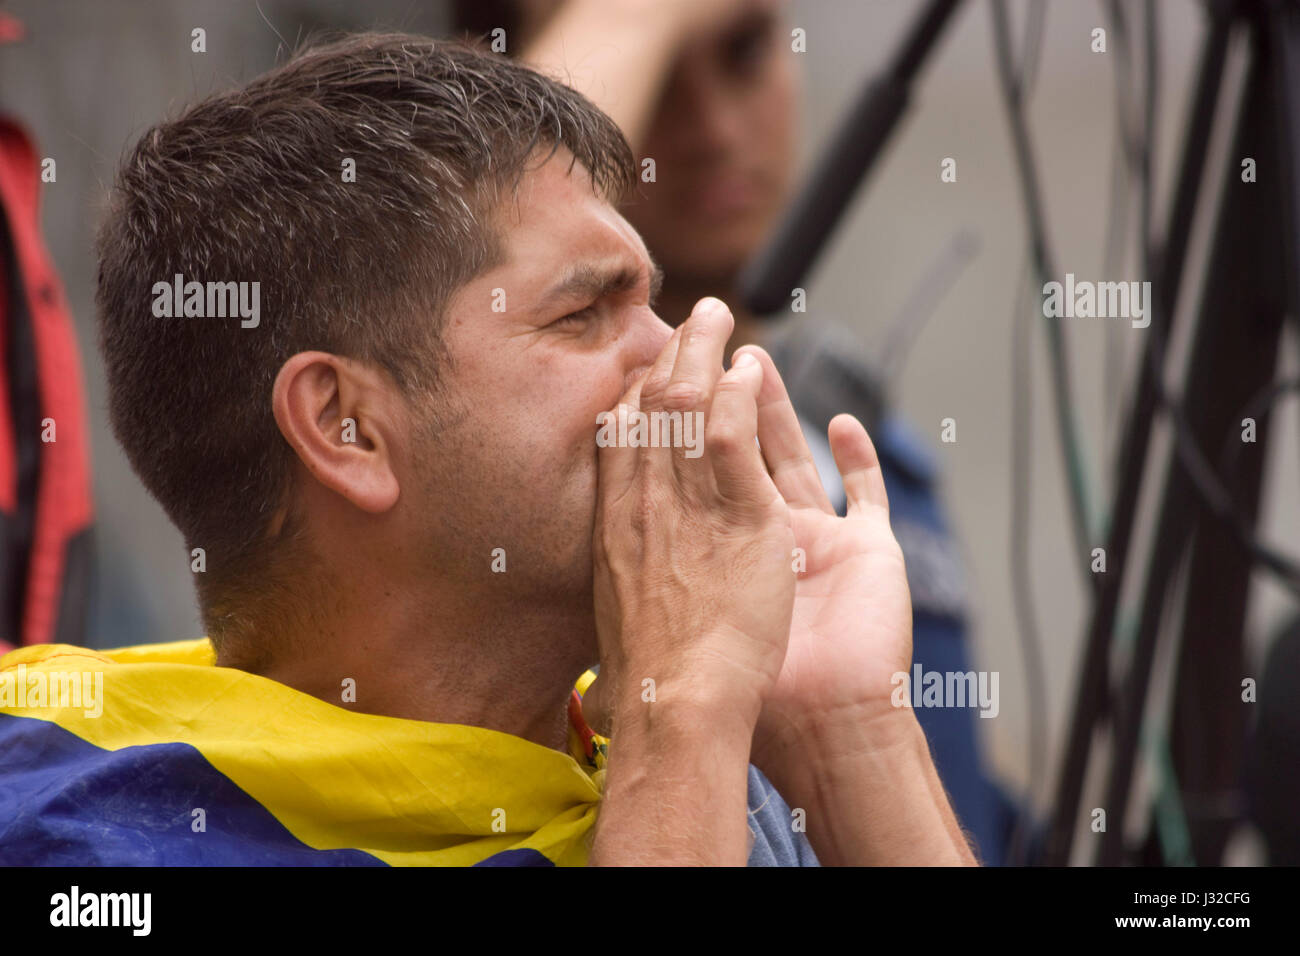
x=153 y=755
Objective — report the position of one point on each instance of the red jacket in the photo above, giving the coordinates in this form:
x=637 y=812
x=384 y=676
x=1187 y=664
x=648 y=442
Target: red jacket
x=45 y=492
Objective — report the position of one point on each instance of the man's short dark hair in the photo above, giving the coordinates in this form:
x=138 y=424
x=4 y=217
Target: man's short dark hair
x=250 y=185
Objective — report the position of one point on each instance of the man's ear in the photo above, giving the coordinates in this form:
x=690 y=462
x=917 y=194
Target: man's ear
x=338 y=417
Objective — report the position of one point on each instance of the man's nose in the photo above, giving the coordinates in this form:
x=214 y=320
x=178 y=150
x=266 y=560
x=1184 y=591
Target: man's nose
x=645 y=345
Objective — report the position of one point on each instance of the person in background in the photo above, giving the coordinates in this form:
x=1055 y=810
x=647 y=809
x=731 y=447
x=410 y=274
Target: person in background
x=46 y=501
x=709 y=90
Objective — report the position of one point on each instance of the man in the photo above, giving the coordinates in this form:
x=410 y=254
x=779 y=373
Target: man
x=709 y=90
x=362 y=320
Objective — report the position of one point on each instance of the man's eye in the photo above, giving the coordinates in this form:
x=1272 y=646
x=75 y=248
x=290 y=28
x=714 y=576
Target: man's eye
x=746 y=48
x=574 y=318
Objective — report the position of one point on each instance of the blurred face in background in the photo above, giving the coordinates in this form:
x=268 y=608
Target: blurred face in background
x=723 y=144
x=722 y=140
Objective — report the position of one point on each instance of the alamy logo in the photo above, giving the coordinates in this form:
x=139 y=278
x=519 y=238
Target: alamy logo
x=946 y=689
x=59 y=690
x=1098 y=300
x=208 y=300
x=635 y=429
x=103 y=909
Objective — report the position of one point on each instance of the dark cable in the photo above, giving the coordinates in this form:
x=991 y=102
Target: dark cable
x=1021 y=579
x=1041 y=257
x=1121 y=177
x=1151 y=87
x=1210 y=488
x=1021 y=443
x=1204 y=479
x=1260 y=402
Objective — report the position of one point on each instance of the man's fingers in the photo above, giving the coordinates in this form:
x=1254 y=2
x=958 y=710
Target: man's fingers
x=695 y=374
x=699 y=357
x=855 y=456
x=617 y=465
x=730 y=431
x=656 y=379
x=784 y=448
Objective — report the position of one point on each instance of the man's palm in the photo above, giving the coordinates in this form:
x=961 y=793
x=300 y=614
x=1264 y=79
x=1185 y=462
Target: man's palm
x=851 y=630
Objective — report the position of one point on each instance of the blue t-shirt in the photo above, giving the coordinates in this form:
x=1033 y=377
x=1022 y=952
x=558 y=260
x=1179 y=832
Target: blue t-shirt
x=777 y=842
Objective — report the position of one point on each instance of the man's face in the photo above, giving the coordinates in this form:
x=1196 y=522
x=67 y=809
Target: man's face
x=723 y=144
x=538 y=346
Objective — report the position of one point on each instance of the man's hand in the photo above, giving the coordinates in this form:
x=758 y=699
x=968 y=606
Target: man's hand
x=852 y=621
x=693 y=598
x=830 y=737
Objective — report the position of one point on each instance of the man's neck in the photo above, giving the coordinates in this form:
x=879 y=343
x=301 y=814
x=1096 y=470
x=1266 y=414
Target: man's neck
x=505 y=669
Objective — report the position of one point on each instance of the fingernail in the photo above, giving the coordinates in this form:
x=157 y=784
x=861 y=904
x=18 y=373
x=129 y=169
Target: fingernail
x=709 y=306
x=744 y=359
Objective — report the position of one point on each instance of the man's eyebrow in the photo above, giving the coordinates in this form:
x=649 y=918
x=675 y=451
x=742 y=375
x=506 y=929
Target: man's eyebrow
x=588 y=281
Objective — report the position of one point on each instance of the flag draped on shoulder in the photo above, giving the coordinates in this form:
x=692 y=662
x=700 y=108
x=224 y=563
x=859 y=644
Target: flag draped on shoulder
x=153 y=755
